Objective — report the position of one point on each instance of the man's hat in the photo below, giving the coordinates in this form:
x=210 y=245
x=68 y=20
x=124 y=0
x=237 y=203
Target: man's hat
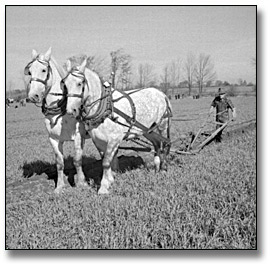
x=221 y=91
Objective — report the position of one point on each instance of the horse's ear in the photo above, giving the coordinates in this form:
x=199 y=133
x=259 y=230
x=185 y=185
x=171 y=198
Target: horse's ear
x=34 y=54
x=68 y=65
x=83 y=65
x=47 y=55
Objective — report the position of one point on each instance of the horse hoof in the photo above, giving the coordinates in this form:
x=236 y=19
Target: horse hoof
x=59 y=189
x=82 y=184
x=164 y=167
x=157 y=163
x=103 y=191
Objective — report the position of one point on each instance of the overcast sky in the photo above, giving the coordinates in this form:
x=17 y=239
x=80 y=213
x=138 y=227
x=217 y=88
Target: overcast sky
x=154 y=35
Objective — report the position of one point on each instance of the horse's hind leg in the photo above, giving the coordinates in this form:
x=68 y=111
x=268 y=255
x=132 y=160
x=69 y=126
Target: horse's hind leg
x=164 y=148
x=157 y=158
x=58 y=149
x=79 y=145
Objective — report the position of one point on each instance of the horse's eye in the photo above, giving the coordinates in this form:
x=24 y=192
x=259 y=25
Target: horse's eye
x=79 y=84
x=43 y=70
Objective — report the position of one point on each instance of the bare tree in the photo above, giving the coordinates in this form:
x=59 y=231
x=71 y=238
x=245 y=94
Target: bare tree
x=97 y=64
x=204 y=71
x=24 y=78
x=165 y=78
x=10 y=87
x=120 y=69
x=146 y=75
x=240 y=81
x=189 y=70
x=175 y=72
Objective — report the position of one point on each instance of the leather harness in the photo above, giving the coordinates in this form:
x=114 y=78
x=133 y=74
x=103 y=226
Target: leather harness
x=57 y=107
x=105 y=109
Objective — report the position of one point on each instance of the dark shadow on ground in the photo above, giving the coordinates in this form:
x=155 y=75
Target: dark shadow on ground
x=92 y=168
x=39 y=172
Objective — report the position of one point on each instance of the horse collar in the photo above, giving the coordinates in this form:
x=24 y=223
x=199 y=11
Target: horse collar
x=103 y=111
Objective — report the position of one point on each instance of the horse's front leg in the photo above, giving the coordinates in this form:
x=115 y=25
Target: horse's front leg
x=79 y=146
x=58 y=149
x=107 y=178
x=115 y=161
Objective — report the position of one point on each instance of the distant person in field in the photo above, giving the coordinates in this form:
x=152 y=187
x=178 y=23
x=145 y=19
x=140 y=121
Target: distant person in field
x=222 y=105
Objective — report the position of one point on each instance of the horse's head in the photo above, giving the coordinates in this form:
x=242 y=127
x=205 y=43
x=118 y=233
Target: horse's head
x=75 y=83
x=40 y=72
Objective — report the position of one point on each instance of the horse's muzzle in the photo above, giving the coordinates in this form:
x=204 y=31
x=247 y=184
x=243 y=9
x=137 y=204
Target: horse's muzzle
x=74 y=112
x=35 y=98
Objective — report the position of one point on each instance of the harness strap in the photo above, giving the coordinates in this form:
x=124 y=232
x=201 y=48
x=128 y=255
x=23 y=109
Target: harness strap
x=57 y=107
x=167 y=114
x=149 y=135
x=54 y=109
x=39 y=80
x=75 y=72
x=132 y=119
x=35 y=79
x=74 y=95
x=125 y=94
x=57 y=94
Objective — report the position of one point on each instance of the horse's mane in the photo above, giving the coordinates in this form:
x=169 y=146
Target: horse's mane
x=59 y=68
x=93 y=74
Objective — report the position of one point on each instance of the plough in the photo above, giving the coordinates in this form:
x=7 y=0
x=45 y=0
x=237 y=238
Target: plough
x=190 y=143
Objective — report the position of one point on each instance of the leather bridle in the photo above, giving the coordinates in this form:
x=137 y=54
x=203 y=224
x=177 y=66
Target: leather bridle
x=75 y=72
x=35 y=79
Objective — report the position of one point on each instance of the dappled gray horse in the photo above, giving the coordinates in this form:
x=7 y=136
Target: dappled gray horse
x=115 y=115
x=44 y=87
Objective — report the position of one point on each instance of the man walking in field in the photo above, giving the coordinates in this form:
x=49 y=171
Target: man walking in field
x=222 y=105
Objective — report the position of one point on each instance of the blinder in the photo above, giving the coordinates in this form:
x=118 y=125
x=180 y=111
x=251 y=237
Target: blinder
x=80 y=75
x=27 y=71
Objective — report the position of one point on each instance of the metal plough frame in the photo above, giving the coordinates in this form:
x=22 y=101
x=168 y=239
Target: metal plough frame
x=192 y=148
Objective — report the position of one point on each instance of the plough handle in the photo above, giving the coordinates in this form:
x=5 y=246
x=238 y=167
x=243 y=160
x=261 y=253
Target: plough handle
x=213 y=135
x=199 y=131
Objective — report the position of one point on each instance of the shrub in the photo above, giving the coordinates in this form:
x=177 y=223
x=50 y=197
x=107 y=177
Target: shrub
x=232 y=92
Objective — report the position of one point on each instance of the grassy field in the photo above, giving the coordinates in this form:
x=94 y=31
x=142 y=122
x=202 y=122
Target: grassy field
x=205 y=201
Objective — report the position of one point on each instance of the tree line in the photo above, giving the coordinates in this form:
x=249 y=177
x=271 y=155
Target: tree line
x=178 y=73
x=118 y=68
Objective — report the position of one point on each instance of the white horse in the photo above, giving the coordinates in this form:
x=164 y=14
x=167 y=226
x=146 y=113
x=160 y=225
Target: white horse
x=44 y=87
x=125 y=118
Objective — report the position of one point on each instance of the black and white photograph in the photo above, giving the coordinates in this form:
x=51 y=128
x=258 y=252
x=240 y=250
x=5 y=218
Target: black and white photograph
x=131 y=127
